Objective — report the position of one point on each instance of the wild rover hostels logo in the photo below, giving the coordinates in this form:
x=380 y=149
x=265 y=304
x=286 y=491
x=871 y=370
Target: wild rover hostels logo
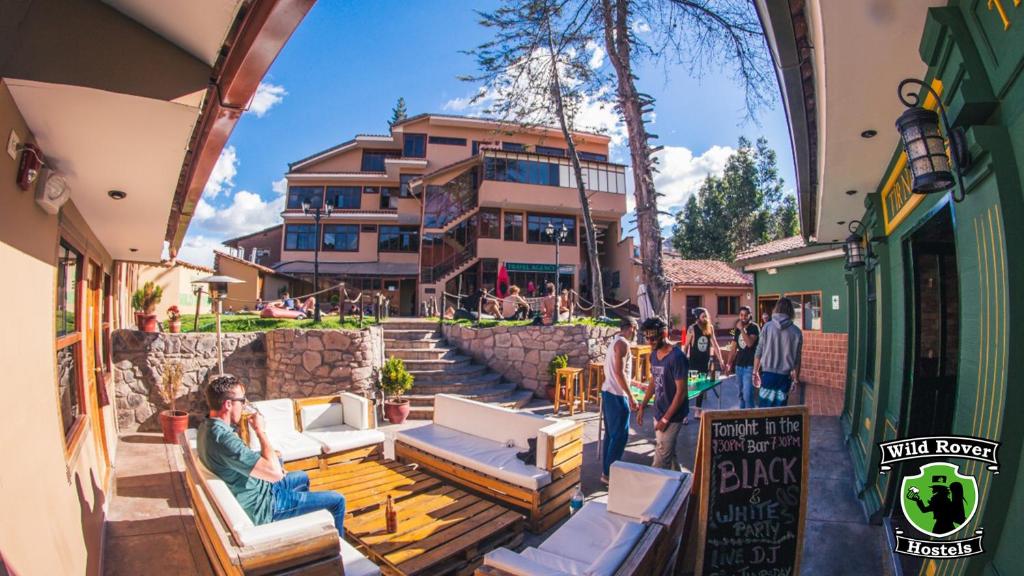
x=939 y=500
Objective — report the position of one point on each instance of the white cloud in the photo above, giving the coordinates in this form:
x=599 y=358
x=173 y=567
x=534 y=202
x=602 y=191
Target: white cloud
x=223 y=175
x=640 y=27
x=280 y=186
x=199 y=250
x=267 y=96
x=597 y=54
x=248 y=212
x=204 y=211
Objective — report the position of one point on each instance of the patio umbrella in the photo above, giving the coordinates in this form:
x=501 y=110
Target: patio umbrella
x=643 y=301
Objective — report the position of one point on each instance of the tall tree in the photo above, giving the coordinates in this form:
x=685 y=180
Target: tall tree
x=398 y=113
x=536 y=70
x=700 y=33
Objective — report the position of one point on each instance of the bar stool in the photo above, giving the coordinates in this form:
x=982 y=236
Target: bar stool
x=567 y=381
x=595 y=379
x=641 y=361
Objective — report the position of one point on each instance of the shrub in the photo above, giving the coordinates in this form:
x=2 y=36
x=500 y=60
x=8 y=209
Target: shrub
x=170 y=387
x=559 y=361
x=395 y=380
x=146 y=298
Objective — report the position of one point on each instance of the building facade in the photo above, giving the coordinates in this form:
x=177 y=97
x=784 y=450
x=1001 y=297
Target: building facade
x=935 y=313
x=176 y=279
x=442 y=202
x=710 y=284
x=260 y=247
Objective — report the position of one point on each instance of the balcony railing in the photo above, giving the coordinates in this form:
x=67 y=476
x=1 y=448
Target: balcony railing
x=439 y=272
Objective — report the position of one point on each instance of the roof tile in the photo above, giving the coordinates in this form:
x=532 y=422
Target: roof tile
x=784 y=245
x=703 y=273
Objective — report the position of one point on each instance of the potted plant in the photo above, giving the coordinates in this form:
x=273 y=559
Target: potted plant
x=173 y=421
x=173 y=320
x=559 y=361
x=144 y=302
x=395 y=380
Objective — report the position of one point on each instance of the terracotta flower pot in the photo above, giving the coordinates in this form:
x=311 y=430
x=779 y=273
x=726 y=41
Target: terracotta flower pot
x=174 y=326
x=549 y=391
x=173 y=423
x=147 y=322
x=396 y=410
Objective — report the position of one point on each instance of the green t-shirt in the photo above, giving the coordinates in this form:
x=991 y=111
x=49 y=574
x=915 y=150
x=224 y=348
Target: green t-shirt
x=223 y=452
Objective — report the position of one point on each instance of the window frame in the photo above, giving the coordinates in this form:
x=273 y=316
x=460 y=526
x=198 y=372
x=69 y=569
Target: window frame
x=74 y=434
x=389 y=195
x=405 y=145
x=550 y=151
x=447 y=141
x=731 y=310
x=798 y=297
x=575 y=235
x=404 y=190
x=412 y=231
x=296 y=248
x=495 y=230
x=505 y=227
x=323 y=237
x=288 y=198
x=358 y=190
x=383 y=154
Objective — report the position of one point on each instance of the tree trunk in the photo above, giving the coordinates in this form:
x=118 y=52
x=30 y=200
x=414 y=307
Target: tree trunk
x=616 y=36
x=596 y=286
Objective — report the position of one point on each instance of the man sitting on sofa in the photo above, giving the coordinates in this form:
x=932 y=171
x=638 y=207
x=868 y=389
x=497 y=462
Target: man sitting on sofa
x=257 y=479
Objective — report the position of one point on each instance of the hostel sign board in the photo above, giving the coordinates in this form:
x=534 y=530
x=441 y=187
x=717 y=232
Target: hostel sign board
x=752 y=468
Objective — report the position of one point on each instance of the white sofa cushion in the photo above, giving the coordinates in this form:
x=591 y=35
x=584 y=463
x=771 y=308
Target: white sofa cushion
x=278 y=415
x=617 y=550
x=326 y=415
x=307 y=523
x=641 y=492
x=477 y=453
x=355 y=563
x=231 y=511
x=508 y=561
x=589 y=532
x=487 y=421
x=342 y=438
x=560 y=563
x=279 y=419
x=358 y=413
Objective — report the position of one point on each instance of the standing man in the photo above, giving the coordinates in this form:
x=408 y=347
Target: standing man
x=669 y=369
x=745 y=337
x=257 y=479
x=777 y=359
x=616 y=400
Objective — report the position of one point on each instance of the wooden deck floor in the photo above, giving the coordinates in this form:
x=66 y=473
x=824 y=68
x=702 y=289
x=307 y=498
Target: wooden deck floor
x=442 y=529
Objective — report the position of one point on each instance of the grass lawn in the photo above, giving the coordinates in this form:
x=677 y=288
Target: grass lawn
x=253 y=323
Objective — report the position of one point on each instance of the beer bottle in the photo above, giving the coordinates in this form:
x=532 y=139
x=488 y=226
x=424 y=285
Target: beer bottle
x=390 y=516
x=712 y=368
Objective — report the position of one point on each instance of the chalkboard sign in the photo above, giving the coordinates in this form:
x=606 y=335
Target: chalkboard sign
x=752 y=468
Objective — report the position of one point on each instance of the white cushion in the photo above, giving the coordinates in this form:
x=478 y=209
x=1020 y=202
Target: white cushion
x=325 y=415
x=312 y=523
x=487 y=421
x=476 y=453
x=508 y=561
x=355 y=563
x=560 y=563
x=291 y=444
x=278 y=415
x=641 y=492
x=357 y=411
x=231 y=511
x=341 y=438
x=589 y=532
x=616 y=552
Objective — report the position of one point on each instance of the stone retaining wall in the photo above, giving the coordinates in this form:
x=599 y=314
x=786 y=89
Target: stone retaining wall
x=274 y=364
x=522 y=353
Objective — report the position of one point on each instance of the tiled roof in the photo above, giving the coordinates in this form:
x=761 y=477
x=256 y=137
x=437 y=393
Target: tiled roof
x=218 y=254
x=703 y=273
x=784 y=245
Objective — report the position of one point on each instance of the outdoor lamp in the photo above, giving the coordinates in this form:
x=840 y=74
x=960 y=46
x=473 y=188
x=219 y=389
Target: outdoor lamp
x=925 y=144
x=218 y=290
x=550 y=230
x=305 y=206
x=854 y=247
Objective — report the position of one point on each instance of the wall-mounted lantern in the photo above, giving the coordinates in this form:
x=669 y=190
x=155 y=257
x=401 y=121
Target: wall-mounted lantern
x=925 y=144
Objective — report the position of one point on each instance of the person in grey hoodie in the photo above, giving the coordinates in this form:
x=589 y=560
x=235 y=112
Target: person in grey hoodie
x=777 y=358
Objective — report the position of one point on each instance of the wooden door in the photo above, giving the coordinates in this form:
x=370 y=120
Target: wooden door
x=95 y=364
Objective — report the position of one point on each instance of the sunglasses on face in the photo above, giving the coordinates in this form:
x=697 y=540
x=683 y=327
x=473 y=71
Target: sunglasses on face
x=243 y=400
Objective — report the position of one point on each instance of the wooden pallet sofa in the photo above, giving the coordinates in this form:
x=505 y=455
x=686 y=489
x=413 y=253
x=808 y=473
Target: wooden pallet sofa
x=475 y=444
x=637 y=533
x=306 y=544
x=315 y=433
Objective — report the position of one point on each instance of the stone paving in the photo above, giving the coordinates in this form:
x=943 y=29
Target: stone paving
x=149 y=519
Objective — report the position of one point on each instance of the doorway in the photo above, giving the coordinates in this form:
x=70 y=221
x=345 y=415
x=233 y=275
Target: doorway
x=407 y=297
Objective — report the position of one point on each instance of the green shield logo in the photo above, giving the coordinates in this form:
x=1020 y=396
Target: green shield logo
x=940 y=500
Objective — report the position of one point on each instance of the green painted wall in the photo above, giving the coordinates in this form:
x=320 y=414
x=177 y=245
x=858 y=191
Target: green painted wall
x=826 y=276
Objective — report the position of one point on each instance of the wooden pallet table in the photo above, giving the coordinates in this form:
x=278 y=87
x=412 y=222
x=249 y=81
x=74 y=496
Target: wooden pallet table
x=442 y=529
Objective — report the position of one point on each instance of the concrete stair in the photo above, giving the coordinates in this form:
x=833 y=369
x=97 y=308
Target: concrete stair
x=442 y=369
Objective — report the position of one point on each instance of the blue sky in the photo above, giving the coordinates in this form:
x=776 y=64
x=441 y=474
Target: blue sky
x=347 y=64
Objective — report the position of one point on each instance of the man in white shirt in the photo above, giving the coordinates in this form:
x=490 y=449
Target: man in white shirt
x=616 y=400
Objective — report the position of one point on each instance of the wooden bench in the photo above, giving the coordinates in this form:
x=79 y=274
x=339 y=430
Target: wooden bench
x=559 y=453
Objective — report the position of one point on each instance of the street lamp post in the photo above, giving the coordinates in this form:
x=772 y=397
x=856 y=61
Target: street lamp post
x=559 y=238
x=318 y=213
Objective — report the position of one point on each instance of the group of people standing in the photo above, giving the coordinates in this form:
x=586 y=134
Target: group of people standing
x=766 y=363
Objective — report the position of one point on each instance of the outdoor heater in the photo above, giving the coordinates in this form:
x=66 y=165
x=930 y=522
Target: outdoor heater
x=218 y=286
x=559 y=238
x=925 y=144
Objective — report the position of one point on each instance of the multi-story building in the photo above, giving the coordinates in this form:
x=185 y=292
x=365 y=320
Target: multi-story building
x=443 y=202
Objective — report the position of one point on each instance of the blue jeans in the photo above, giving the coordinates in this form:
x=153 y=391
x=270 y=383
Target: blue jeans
x=291 y=497
x=774 y=390
x=616 y=428
x=745 y=380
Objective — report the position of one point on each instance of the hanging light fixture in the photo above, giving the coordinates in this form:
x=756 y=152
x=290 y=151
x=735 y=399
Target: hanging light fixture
x=854 y=247
x=925 y=144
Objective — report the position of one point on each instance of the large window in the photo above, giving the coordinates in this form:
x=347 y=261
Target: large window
x=300 y=237
x=513 y=146
x=415 y=146
x=521 y=171
x=536 y=228
x=70 y=389
x=345 y=197
x=449 y=201
x=299 y=194
x=399 y=239
x=404 y=190
x=808 y=310
x=592 y=157
x=549 y=151
x=490 y=219
x=373 y=160
x=514 y=226
x=388 y=198
x=341 y=237
x=447 y=141
x=728 y=305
